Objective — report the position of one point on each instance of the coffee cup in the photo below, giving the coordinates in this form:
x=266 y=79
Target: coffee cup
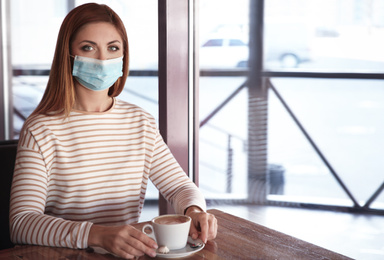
x=169 y=230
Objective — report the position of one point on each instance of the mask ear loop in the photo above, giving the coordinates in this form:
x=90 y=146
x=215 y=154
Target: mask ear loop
x=72 y=60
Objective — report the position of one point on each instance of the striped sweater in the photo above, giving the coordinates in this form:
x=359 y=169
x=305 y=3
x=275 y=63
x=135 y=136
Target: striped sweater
x=90 y=168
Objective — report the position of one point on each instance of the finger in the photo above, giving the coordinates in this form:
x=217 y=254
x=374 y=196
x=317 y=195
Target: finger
x=146 y=240
x=143 y=243
x=204 y=227
x=137 y=248
x=130 y=253
x=211 y=228
x=122 y=249
x=123 y=254
x=212 y=233
x=193 y=231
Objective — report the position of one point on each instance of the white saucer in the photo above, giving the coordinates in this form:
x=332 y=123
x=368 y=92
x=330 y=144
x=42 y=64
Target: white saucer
x=186 y=251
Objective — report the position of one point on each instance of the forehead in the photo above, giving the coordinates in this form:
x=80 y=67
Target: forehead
x=100 y=31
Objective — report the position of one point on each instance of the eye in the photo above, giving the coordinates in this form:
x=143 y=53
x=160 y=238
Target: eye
x=113 y=48
x=87 y=48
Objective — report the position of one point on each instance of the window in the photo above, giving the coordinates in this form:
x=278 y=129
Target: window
x=223 y=127
x=324 y=35
x=329 y=37
x=297 y=123
x=312 y=135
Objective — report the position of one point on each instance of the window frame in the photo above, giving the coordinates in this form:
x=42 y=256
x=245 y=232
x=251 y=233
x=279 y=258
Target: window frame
x=178 y=117
x=6 y=104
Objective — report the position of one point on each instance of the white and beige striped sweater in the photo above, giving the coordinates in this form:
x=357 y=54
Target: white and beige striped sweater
x=90 y=168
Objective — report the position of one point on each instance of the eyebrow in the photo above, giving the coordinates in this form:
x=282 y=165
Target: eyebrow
x=94 y=43
x=115 y=41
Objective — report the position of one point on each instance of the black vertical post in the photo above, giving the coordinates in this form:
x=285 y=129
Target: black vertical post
x=257 y=108
x=70 y=5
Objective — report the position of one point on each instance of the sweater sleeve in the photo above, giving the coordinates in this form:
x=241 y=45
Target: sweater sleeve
x=28 y=222
x=172 y=182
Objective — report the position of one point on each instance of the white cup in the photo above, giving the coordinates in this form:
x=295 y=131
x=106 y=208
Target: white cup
x=169 y=230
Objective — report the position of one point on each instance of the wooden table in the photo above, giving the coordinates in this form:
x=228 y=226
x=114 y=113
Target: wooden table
x=237 y=238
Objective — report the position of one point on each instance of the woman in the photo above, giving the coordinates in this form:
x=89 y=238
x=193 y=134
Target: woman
x=85 y=157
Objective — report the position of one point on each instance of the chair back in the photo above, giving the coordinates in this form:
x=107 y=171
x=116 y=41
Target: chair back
x=8 y=151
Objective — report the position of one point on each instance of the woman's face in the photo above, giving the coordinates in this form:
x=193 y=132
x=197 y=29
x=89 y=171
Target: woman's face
x=99 y=41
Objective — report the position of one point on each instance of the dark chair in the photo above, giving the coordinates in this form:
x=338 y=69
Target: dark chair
x=7 y=158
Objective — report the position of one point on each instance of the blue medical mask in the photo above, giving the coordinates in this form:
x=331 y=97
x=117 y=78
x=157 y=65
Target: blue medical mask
x=97 y=74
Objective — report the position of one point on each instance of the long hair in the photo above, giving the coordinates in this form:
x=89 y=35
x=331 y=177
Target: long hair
x=59 y=96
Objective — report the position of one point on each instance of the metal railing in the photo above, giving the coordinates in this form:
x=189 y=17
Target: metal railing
x=267 y=76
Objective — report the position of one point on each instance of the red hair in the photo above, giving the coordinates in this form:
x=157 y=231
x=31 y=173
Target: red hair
x=59 y=96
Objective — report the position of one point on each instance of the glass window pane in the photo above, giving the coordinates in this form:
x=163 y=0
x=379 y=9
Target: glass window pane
x=33 y=41
x=321 y=35
x=223 y=34
x=223 y=156
x=34 y=33
x=343 y=119
x=340 y=116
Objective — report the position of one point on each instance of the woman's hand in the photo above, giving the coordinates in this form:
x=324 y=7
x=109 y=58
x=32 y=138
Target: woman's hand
x=203 y=226
x=123 y=241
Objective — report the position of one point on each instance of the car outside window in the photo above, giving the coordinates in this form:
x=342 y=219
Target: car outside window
x=214 y=43
x=236 y=42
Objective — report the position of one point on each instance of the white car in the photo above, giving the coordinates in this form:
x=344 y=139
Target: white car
x=222 y=53
x=229 y=53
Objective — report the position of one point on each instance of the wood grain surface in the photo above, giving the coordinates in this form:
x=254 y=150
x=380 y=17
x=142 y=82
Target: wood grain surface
x=237 y=238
